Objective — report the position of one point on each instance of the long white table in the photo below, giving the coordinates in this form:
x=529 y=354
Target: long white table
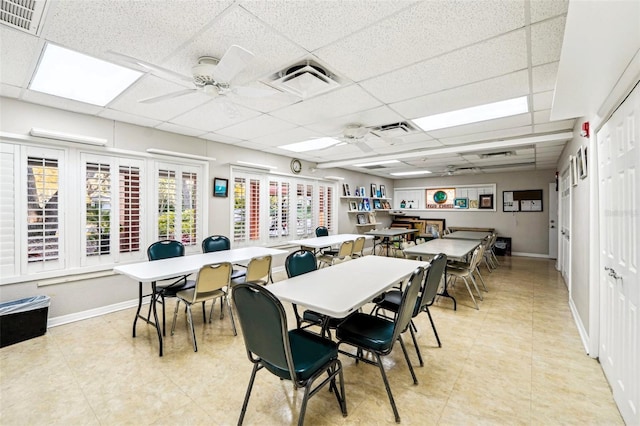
x=318 y=243
x=467 y=235
x=385 y=234
x=152 y=271
x=453 y=248
x=343 y=288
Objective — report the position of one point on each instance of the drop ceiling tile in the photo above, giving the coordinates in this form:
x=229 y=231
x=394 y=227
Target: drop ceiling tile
x=542 y=100
x=368 y=118
x=268 y=103
x=150 y=86
x=125 y=117
x=498 y=126
x=550 y=147
x=540 y=117
x=182 y=130
x=416 y=138
x=492 y=58
x=554 y=126
x=344 y=101
x=220 y=138
x=262 y=125
x=313 y=24
x=486 y=136
x=297 y=134
x=214 y=115
x=142 y=29
x=410 y=146
x=543 y=9
x=9 y=91
x=272 y=51
x=402 y=36
x=17 y=64
x=496 y=89
x=546 y=41
x=58 y=102
x=544 y=77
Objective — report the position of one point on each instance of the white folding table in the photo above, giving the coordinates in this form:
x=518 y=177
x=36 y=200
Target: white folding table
x=467 y=235
x=318 y=243
x=343 y=288
x=152 y=271
x=453 y=248
x=389 y=233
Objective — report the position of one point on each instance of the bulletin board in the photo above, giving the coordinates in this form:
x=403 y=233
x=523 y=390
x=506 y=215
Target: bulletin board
x=522 y=201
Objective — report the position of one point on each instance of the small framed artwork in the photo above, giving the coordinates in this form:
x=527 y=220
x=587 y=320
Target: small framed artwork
x=367 y=205
x=485 y=201
x=461 y=203
x=377 y=205
x=362 y=219
x=362 y=192
x=353 y=206
x=346 y=190
x=357 y=193
x=383 y=192
x=220 y=187
x=374 y=190
x=386 y=205
x=434 y=227
x=582 y=166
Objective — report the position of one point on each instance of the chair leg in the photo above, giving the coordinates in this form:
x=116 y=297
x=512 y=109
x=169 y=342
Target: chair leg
x=473 y=280
x=175 y=315
x=470 y=294
x=386 y=385
x=248 y=394
x=303 y=406
x=406 y=357
x=204 y=313
x=415 y=344
x=433 y=326
x=233 y=323
x=193 y=331
x=481 y=279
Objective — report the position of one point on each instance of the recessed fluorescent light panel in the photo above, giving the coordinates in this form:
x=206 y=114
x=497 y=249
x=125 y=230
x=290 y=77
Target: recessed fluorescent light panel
x=474 y=114
x=416 y=172
x=73 y=75
x=310 y=145
x=376 y=163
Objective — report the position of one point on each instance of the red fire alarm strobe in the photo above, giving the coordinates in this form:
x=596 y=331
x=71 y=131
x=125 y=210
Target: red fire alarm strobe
x=585 y=129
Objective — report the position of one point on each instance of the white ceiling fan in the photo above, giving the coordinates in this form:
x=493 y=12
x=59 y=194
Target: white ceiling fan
x=210 y=75
x=358 y=135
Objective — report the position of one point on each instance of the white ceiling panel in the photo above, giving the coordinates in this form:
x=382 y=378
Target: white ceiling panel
x=544 y=77
x=17 y=64
x=498 y=56
x=497 y=125
x=544 y=9
x=174 y=128
x=220 y=138
x=255 y=127
x=214 y=115
x=57 y=102
x=126 y=117
x=554 y=126
x=508 y=86
x=298 y=134
x=540 y=117
x=9 y=91
x=367 y=118
x=546 y=41
x=542 y=100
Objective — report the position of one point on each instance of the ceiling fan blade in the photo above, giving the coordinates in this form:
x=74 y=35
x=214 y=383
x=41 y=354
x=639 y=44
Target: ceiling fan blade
x=232 y=63
x=154 y=69
x=167 y=96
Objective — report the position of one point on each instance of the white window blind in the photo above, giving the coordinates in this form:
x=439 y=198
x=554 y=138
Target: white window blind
x=278 y=209
x=8 y=243
x=97 y=209
x=166 y=204
x=129 y=185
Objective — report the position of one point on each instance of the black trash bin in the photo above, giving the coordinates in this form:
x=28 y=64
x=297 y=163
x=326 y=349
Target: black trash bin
x=23 y=319
x=502 y=246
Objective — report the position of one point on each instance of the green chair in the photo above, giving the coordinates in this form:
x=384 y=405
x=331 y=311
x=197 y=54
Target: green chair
x=322 y=231
x=377 y=335
x=220 y=243
x=297 y=263
x=391 y=299
x=211 y=284
x=296 y=355
x=166 y=249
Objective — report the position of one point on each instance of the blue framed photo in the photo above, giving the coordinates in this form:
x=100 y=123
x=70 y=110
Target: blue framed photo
x=220 y=187
x=461 y=203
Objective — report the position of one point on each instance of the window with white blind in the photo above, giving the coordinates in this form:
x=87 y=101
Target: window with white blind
x=69 y=210
x=179 y=204
x=268 y=209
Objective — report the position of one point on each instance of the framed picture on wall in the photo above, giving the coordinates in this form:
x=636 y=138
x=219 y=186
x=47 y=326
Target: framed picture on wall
x=374 y=190
x=220 y=187
x=353 y=206
x=461 y=203
x=382 y=191
x=485 y=201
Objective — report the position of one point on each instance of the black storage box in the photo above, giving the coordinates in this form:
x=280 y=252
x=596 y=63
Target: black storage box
x=23 y=319
x=502 y=246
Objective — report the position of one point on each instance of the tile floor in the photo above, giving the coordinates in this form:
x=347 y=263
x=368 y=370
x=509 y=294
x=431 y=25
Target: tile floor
x=518 y=360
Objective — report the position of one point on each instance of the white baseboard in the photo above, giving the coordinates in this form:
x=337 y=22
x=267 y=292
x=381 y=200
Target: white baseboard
x=79 y=316
x=521 y=254
x=584 y=336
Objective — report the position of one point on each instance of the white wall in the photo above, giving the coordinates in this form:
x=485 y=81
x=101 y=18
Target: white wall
x=528 y=230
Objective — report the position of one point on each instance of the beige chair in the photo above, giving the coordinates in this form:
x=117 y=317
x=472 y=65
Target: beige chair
x=346 y=248
x=464 y=270
x=211 y=284
x=258 y=271
x=358 y=247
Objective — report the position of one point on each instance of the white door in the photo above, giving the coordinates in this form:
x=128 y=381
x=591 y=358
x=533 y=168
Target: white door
x=553 y=222
x=565 y=225
x=619 y=215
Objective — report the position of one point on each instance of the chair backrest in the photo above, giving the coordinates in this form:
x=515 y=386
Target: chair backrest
x=259 y=269
x=322 y=231
x=475 y=257
x=165 y=249
x=264 y=327
x=432 y=280
x=346 y=248
x=358 y=246
x=407 y=304
x=300 y=262
x=215 y=243
x=211 y=278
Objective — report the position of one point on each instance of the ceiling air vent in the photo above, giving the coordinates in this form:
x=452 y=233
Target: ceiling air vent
x=24 y=15
x=305 y=79
x=394 y=129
